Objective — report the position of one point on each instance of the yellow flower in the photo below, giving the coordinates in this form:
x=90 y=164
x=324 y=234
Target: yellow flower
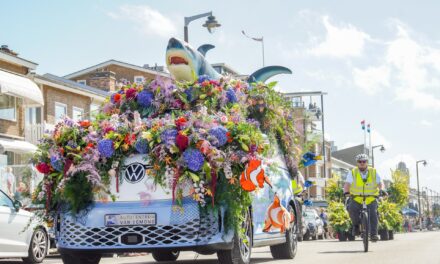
x=147 y=135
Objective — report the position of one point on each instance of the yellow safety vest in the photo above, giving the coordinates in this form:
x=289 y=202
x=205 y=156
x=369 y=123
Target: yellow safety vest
x=296 y=188
x=370 y=187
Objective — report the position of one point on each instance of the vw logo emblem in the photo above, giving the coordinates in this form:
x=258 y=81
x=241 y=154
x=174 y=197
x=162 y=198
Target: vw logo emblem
x=134 y=173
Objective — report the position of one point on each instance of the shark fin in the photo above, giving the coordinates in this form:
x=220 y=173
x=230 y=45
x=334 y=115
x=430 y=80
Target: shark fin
x=204 y=48
x=267 y=72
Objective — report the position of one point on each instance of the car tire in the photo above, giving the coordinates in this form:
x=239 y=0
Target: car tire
x=38 y=247
x=241 y=245
x=288 y=249
x=306 y=236
x=80 y=257
x=165 y=255
x=315 y=236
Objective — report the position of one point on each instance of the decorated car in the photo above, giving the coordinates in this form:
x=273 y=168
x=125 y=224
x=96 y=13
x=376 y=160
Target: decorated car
x=202 y=163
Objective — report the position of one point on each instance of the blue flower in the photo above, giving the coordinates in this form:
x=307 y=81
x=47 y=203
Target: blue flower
x=144 y=98
x=142 y=146
x=230 y=94
x=203 y=78
x=219 y=133
x=56 y=163
x=168 y=136
x=188 y=93
x=106 y=148
x=194 y=159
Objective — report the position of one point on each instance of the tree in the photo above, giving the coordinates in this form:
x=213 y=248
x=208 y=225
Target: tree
x=399 y=188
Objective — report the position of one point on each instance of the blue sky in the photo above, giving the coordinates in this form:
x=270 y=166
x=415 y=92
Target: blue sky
x=378 y=60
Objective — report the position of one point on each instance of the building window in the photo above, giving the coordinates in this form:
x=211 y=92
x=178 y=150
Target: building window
x=83 y=82
x=139 y=79
x=8 y=107
x=94 y=109
x=33 y=115
x=77 y=113
x=60 y=111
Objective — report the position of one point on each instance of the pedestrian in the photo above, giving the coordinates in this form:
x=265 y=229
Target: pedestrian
x=324 y=218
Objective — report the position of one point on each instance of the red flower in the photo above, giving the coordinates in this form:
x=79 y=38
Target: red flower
x=228 y=134
x=42 y=167
x=182 y=141
x=85 y=123
x=130 y=93
x=89 y=146
x=180 y=123
x=130 y=139
x=117 y=98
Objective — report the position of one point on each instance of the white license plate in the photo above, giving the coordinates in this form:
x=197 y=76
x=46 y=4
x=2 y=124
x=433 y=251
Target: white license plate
x=130 y=219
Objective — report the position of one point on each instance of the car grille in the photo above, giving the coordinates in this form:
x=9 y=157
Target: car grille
x=182 y=231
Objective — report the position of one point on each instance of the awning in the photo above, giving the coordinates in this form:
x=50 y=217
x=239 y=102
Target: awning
x=22 y=87
x=16 y=146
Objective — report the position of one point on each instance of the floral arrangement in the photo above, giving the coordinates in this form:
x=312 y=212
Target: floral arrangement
x=203 y=132
x=338 y=217
x=389 y=216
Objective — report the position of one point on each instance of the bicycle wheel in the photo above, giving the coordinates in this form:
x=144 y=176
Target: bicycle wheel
x=365 y=227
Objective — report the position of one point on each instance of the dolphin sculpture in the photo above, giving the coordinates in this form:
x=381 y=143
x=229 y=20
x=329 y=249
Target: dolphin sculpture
x=187 y=64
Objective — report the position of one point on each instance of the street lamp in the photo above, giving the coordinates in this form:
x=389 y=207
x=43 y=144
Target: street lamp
x=418 y=190
x=211 y=23
x=382 y=149
x=256 y=39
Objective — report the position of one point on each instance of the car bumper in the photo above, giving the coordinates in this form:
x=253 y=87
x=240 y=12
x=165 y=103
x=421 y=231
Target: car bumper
x=179 y=228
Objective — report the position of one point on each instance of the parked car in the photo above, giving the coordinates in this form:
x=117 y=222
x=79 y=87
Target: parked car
x=315 y=226
x=17 y=239
x=128 y=225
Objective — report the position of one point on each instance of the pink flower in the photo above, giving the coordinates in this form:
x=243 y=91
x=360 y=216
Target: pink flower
x=130 y=93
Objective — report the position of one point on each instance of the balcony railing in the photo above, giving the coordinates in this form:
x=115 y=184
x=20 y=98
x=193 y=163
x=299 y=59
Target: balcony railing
x=33 y=132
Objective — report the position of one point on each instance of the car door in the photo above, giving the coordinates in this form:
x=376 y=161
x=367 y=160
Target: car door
x=12 y=223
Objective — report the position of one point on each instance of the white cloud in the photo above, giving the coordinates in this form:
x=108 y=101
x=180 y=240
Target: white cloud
x=425 y=123
x=346 y=41
x=372 y=79
x=409 y=67
x=378 y=139
x=147 y=20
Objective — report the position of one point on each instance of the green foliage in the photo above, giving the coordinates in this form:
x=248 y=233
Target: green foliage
x=78 y=187
x=334 y=191
x=399 y=189
x=389 y=216
x=338 y=217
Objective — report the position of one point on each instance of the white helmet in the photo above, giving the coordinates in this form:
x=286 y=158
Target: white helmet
x=362 y=157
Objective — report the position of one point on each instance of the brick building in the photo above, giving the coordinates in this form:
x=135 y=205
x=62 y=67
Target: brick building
x=108 y=74
x=20 y=98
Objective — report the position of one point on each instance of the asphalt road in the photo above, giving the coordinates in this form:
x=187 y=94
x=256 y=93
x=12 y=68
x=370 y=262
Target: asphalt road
x=417 y=248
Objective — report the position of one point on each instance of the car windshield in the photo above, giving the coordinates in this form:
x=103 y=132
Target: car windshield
x=4 y=200
x=309 y=215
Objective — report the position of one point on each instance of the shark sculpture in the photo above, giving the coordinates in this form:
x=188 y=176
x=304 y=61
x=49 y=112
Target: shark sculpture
x=187 y=64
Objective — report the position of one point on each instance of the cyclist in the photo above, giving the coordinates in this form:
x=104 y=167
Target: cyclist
x=363 y=180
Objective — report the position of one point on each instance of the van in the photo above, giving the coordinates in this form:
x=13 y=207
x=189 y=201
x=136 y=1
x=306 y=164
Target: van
x=142 y=221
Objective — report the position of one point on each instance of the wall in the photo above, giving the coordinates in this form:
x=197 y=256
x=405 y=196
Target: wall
x=52 y=95
x=14 y=128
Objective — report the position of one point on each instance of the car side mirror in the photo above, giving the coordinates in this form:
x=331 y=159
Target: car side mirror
x=17 y=205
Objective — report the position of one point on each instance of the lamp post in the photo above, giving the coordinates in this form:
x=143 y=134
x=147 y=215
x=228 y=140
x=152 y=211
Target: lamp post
x=210 y=24
x=382 y=149
x=418 y=190
x=256 y=39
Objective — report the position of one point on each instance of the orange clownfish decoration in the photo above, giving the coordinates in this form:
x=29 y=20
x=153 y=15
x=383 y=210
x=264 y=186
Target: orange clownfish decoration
x=253 y=176
x=277 y=217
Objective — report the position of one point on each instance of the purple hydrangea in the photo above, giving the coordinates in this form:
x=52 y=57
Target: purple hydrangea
x=106 y=148
x=189 y=96
x=194 y=159
x=219 y=133
x=168 y=136
x=230 y=94
x=142 y=146
x=56 y=163
x=203 y=78
x=144 y=98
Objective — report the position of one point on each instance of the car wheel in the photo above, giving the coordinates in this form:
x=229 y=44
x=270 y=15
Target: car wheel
x=306 y=236
x=315 y=237
x=288 y=249
x=241 y=245
x=38 y=247
x=165 y=255
x=80 y=257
